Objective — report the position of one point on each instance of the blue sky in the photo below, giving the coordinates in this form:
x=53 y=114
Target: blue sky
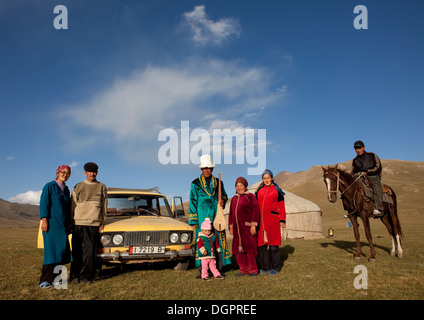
x=103 y=89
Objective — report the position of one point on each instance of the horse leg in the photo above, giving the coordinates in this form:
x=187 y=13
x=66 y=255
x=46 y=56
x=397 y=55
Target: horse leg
x=367 y=228
x=393 y=227
x=396 y=228
x=393 y=251
x=386 y=222
x=354 y=220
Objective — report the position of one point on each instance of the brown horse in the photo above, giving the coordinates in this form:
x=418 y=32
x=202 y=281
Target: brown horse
x=357 y=204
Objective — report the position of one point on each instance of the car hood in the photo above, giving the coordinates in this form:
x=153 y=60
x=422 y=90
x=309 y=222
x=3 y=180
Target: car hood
x=140 y=223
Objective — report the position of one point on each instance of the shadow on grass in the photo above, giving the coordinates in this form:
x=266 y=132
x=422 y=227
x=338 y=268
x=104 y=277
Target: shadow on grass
x=111 y=270
x=350 y=246
x=285 y=252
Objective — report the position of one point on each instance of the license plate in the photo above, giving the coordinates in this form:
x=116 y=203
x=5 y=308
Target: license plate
x=147 y=250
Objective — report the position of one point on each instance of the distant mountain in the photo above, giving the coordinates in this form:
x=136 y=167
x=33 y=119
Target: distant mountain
x=17 y=215
x=405 y=177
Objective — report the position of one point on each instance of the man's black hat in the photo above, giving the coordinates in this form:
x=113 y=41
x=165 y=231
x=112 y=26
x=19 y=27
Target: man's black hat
x=358 y=144
x=91 y=167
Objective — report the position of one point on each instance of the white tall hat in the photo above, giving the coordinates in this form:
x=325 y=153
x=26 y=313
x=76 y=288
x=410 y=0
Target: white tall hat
x=206 y=161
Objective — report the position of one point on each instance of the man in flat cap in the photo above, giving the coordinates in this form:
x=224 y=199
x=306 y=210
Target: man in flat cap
x=368 y=163
x=88 y=211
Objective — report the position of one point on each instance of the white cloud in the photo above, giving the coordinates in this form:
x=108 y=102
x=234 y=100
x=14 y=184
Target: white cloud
x=137 y=108
x=10 y=158
x=207 y=31
x=29 y=197
x=127 y=117
x=74 y=164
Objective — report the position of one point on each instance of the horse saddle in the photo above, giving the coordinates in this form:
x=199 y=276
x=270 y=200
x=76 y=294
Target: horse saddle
x=369 y=192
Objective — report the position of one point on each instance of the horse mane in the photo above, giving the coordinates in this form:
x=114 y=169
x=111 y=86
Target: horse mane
x=348 y=176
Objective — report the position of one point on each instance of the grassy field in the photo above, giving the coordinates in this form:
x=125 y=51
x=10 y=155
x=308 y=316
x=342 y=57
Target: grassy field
x=313 y=269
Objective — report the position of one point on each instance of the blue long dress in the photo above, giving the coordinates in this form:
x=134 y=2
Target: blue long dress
x=55 y=205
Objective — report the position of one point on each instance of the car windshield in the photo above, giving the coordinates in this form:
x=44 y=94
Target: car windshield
x=137 y=205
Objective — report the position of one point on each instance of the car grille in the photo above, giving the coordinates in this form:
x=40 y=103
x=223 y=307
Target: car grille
x=144 y=238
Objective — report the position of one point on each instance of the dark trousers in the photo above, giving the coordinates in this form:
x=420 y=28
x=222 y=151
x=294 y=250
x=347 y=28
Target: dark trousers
x=378 y=192
x=85 y=241
x=47 y=273
x=270 y=260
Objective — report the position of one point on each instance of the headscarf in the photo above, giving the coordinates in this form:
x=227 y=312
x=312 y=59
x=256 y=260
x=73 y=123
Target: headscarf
x=60 y=168
x=242 y=180
x=277 y=187
x=267 y=171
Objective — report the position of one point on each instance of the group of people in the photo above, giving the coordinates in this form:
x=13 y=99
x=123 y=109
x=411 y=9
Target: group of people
x=255 y=221
x=83 y=215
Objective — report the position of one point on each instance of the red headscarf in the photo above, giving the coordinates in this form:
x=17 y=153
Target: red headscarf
x=64 y=166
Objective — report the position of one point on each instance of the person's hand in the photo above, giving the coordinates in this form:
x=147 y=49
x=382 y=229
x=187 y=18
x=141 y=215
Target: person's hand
x=101 y=227
x=252 y=230
x=221 y=203
x=44 y=225
x=205 y=253
x=231 y=230
x=282 y=224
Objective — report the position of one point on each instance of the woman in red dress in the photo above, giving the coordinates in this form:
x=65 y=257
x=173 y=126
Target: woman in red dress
x=272 y=217
x=243 y=219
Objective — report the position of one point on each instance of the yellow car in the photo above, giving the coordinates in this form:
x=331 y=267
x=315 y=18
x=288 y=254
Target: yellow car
x=141 y=227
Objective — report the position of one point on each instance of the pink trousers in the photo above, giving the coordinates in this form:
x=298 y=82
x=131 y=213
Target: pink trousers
x=209 y=264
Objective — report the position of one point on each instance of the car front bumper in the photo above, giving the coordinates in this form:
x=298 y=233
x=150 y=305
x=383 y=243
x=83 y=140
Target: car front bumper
x=118 y=256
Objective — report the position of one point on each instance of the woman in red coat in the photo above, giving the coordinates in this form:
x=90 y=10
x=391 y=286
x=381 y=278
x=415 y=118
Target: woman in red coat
x=243 y=219
x=272 y=217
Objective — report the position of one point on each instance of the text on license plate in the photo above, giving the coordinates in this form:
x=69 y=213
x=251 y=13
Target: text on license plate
x=147 y=249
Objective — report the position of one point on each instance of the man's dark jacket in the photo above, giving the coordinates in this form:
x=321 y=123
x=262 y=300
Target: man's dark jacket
x=368 y=162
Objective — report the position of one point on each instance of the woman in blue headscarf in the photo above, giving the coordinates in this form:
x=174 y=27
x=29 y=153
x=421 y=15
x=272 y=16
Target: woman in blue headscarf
x=272 y=218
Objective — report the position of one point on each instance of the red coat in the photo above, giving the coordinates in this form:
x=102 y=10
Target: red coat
x=244 y=212
x=272 y=212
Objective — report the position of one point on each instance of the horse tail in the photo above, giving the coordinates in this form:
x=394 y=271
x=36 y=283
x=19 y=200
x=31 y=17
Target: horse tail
x=393 y=217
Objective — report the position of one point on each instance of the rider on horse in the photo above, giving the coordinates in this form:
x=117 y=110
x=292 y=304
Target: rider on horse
x=369 y=164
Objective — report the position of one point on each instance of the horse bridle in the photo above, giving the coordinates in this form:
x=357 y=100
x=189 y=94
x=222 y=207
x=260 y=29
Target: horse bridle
x=338 y=184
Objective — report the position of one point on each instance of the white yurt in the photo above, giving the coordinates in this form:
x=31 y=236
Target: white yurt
x=303 y=217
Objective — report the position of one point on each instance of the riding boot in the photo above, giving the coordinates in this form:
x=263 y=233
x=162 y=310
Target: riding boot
x=377 y=214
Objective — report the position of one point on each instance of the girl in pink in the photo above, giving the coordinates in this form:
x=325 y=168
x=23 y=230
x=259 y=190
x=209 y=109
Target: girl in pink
x=208 y=244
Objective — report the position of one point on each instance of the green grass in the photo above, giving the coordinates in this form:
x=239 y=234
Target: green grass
x=313 y=269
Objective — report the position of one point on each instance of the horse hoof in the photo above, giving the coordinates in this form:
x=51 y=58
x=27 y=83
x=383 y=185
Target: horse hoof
x=393 y=254
x=357 y=258
x=372 y=259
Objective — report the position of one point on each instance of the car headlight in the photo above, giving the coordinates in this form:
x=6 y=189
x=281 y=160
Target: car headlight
x=105 y=239
x=117 y=239
x=173 y=237
x=184 y=237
